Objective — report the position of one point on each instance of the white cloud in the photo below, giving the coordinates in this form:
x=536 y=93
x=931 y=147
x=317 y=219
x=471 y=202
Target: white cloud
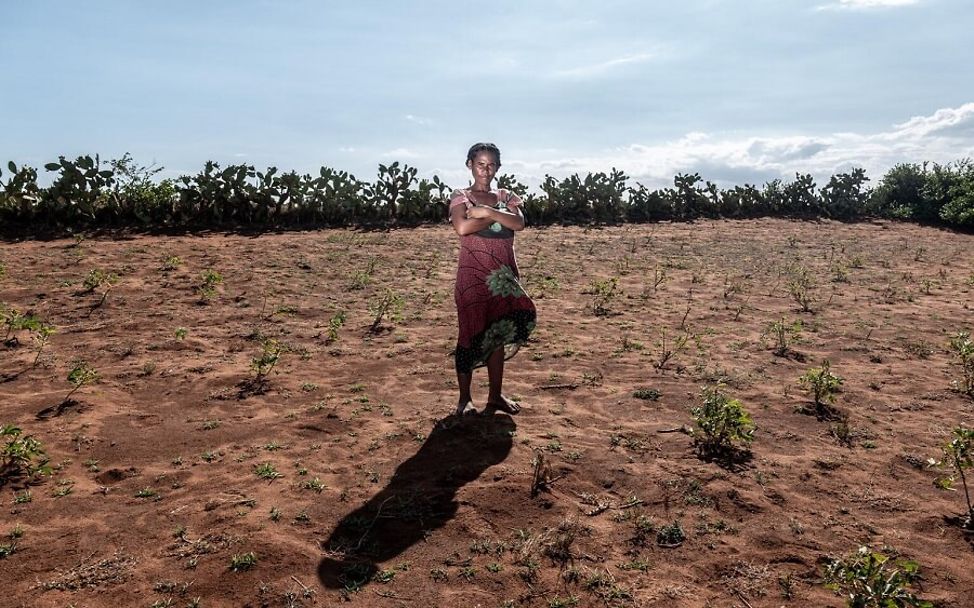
x=605 y=66
x=943 y=121
x=945 y=135
x=401 y=153
x=861 y=5
x=419 y=120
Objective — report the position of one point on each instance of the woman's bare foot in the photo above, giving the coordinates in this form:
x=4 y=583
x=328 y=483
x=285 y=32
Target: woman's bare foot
x=505 y=405
x=462 y=408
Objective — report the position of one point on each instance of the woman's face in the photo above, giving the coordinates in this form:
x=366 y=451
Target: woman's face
x=483 y=167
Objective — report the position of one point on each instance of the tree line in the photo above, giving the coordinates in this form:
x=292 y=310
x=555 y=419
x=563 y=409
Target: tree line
x=87 y=193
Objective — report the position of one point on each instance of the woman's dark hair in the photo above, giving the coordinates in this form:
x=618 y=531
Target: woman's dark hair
x=483 y=147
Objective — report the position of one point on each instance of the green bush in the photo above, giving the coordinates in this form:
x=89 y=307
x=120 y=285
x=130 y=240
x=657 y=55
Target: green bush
x=722 y=427
x=19 y=193
x=868 y=579
x=822 y=384
x=959 y=457
x=958 y=209
x=21 y=456
x=962 y=347
x=596 y=198
x=845 y=196
x=900 y=192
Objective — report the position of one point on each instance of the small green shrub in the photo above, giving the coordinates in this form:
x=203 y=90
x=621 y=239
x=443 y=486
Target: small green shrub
x=266 y=470
x=80 y=375
x=209 y=281
x=604 y=292
x=962 y=347
x=722 y=427
x=801 y=287
x=42 y=334
x=270 y=355
x=15 y=321
x=387 y=304
x=172 y=262
x=646 y=394
x=239 y=563
x=97 y=278
x=671 y=535
x=958 y=457
x=21 y=456
x=822 y=384
x=868 y=579
x=784 y=335
x=335 y=323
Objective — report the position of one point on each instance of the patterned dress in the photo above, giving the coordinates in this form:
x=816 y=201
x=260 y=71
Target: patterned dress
x=492 y=308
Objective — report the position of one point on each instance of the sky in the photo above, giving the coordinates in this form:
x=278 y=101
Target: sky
x=741 y=91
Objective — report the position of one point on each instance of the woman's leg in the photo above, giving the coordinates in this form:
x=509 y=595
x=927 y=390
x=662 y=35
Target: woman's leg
x=495 y=374
x=463 y=381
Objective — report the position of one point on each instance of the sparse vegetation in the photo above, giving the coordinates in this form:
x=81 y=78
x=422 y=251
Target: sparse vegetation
x=334 y=325
x=350 y=417
x=822 y=384
x=21 y=456
x=244 y=561
x=722 y=427
x=82 y=374
x=209 y=281
x=784 y=335
x=802 y=287
x=268 y=358
x=603 y=293
x=869 y=579
x=99 y=279
x=266 y=470
x=387 y=305
x=958 y=457
x=646 y=394
x=666 y=349
x=962 y=347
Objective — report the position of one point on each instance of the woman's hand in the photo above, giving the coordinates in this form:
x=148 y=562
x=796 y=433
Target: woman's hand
x=479 y=212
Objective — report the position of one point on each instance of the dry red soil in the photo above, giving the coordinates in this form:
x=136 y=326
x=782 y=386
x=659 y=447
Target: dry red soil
x=155 y=487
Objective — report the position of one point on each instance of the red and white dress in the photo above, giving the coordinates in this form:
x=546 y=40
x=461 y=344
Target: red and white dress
x=493 y=309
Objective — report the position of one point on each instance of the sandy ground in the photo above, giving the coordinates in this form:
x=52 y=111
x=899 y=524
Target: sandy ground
x=156 y=487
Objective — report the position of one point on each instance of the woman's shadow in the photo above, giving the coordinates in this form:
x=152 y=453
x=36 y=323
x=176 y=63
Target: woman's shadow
x=420 y=498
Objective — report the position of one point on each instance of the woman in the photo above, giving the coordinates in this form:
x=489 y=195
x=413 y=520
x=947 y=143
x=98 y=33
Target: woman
x=494 y=313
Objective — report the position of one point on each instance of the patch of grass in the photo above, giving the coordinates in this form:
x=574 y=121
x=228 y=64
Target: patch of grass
x=21 y=456
x=63 y=488
x=646 y=394
x=315 y=485
x=869 y=578
x=266 y=470
x=671 y=535
x=7 y=549
x=603 y=585
x=640 y=565
x=245 y=561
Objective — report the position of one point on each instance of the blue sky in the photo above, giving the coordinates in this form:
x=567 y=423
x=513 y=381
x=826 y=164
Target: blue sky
x=739 y=90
